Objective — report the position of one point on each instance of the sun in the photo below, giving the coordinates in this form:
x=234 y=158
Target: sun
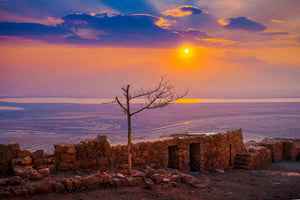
x=186 y=50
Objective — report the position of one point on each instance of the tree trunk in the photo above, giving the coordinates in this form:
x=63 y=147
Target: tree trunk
x=129 y=129
x=129 y=144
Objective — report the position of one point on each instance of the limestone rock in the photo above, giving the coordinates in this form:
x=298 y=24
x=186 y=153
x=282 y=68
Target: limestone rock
x=121 y=176
x=117 y=182
x=58 y=187
x=14 y=146
x=106 y=178
x=44 y=172
x=69 y=184
x=24 y=153
x=76 y=183
x=26 y=161
x=3 y=181
x=44 y=187
x=149 y=184
x=21 y=192
x=166 y=180
x=157 y=178
x=173 y=184
x=15 y=180
x=38 y=154
x=35 y=175
x=220 y=171
x=175 y=178
x=133 y=181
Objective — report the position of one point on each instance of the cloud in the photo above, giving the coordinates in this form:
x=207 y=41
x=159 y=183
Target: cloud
x=232 y=57
x=119 y=30
x=242 y=23
x=31 y=29
x=183 y=11
x=194 y=33
x=277 y=21
x=274 y=33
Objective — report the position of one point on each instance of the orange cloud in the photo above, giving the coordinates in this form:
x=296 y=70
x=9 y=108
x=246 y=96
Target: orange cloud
x=183 y=11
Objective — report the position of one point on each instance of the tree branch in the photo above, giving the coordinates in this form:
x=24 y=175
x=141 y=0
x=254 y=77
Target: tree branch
x=124 y=109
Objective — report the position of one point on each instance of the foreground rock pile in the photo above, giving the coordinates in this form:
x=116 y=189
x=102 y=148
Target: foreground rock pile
x=49 y=183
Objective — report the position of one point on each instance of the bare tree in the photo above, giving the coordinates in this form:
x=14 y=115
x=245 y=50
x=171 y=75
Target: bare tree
x=158 y=97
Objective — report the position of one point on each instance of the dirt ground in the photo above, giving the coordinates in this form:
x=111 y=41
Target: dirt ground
x=277 y=181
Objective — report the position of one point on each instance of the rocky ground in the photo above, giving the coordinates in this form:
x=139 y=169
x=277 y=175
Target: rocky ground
x=277 y=181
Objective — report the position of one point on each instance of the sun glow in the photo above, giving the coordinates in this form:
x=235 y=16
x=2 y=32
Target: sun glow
x=186 y=50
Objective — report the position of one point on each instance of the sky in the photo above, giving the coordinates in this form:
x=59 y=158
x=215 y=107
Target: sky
x=215 y=48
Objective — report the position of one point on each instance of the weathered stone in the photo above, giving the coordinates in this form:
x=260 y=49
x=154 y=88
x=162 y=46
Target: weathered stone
x=76 y=183
x=58 y=187
x=175 y=178
x=16 y=161
x=149 y=184
x=64 y=166
x=102 y=138
x=26 y=161
x=22 y=171
x=105 y=178
x=37 y=163
x=138 y=174
x=44 y=172
x=117 y=182
x=88 y=181
x=21 y=192
x=4 y=194
x=69 y=184
x=121 y=176
x=31 y=190
x=38 y=154
x=157 y=178
x=166 y=180
x=173 y=184
x=131 y=181
x=67 y=157
x=15 y=180
x=44 y=188
x=35 y=175
x=162 y=171
x=14 y=146
x=220 y=171
x=3 y=181
x=24 y=153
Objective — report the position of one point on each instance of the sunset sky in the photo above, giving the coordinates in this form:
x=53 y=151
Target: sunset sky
x=73 y=48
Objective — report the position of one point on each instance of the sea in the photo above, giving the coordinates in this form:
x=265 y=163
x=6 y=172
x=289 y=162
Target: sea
x=38 y=123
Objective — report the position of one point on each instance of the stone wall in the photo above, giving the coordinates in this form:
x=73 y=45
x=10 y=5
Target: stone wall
x=259 y=157
x=276 y=148
x=288 y=148
x=215 y=151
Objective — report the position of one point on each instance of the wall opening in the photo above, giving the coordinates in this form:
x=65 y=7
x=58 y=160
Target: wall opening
x=195 y=157
x=173 y=157
x=298 y=157
x=230 y=155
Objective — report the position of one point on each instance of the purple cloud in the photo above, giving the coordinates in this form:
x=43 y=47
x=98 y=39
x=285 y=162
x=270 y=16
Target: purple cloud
x=194 y=33
x=118 y=30
x=275 y=33
x=245 y=24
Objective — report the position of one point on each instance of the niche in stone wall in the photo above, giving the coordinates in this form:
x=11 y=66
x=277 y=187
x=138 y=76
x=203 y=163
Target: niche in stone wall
x=298 y=157
x=173 y=161
x=195 y=157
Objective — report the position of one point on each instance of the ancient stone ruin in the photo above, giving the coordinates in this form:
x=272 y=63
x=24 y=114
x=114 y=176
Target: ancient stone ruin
x=96 y=163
